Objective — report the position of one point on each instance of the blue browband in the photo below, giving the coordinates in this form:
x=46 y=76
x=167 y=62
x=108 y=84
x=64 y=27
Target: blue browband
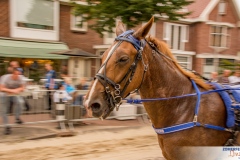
x=127 y=36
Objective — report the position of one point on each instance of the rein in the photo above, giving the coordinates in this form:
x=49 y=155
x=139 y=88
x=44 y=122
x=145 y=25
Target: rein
x=138 y=101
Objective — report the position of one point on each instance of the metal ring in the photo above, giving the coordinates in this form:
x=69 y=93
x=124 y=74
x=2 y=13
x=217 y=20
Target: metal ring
x=107 y=89
x=117 y=92
x=118 y=99
x=117 y=86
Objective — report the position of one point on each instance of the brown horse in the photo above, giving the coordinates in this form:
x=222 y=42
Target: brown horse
x=157 y=75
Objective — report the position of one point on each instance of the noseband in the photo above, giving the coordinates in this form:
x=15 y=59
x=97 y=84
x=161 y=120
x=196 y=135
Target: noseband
x=115 y=97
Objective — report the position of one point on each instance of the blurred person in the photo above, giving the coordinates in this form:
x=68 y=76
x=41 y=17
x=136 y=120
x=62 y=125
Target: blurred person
x=15 y=64
x=64 y=71
x=225 y=77
x=83 y=85
x=65 y=96
x=214 y=77
x=12 y=65
x=235 y=78
x=50 y=84
x=68 y=86
x=12 y=85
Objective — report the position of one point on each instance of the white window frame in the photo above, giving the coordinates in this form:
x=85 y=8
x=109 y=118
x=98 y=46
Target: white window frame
x=106 y=38
x=31 y=33
x=167 y=35
x=224 y=41
x=189 y=60
x=74 y=21
x=109 y=39
x=222 y=7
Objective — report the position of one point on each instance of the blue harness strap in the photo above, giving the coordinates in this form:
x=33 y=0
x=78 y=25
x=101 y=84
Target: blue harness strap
x=230 y=122
x=194 y=123
x=176 y=128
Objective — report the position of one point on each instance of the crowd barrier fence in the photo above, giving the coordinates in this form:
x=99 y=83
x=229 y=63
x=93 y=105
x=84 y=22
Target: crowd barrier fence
x=62 y=113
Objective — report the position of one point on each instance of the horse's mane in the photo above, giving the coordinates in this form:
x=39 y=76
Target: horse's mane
x=162 y=46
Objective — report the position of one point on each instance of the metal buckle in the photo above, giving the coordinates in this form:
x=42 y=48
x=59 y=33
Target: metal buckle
x=117 y=86
x=118 y=99
x=107 y=89
x=195 y=119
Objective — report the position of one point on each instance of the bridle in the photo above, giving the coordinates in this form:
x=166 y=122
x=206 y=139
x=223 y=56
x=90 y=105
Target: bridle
x=115 y=97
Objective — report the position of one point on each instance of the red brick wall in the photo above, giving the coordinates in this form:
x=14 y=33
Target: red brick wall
x=84 y=41
x=230 y=17
x=191 y=44
x=4 y=18
x=201 y=35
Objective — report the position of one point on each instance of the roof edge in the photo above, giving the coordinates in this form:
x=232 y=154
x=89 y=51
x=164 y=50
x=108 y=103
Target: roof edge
x=204 y=15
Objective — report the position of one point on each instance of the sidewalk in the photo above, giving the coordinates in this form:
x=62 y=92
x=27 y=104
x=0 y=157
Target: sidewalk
x=48 y=130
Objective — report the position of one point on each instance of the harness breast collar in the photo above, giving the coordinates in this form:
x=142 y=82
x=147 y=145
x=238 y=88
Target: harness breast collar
x=114 y=98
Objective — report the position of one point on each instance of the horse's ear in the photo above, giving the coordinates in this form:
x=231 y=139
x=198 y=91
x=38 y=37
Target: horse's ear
x=120 y=28
x=143 y=31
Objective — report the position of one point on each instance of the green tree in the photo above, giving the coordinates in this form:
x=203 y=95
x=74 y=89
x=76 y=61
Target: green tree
x=131 y=12
x=226 y=64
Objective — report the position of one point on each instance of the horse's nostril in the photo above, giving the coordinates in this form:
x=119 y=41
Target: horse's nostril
x=95 y=107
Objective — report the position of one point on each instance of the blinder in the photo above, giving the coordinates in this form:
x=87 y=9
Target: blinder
x=114 y=98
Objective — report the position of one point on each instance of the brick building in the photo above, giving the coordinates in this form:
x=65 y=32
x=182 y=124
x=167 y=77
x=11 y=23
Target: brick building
x=34 y=28
x=205 y=38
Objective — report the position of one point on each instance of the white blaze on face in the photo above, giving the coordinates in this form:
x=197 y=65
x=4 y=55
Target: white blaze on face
x=96 y=80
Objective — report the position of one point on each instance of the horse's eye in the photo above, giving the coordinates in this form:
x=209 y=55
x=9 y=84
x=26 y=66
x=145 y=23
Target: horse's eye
x=123 y=59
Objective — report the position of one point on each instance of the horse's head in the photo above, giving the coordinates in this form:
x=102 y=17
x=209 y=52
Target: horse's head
x=121 y=72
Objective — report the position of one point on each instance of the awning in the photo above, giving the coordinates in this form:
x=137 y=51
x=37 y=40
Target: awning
x=31 y=49
x=76 y=53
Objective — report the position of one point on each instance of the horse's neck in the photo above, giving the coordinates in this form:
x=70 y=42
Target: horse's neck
x=163 y=80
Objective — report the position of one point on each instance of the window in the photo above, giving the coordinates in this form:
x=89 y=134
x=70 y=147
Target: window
x=109 y=37
x=209 y=66
x=184 y=61
x=76 y=24
x=222 y=6
x=209 y=61
x=175 y=35
x=34 y=19
x=37 y=14
x=219 y=36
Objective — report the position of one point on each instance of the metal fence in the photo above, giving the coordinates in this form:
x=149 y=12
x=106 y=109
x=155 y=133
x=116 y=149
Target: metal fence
x=63 y=113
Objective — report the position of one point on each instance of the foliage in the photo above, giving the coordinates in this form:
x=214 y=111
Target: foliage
x=131 y=12
x=226 y=64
